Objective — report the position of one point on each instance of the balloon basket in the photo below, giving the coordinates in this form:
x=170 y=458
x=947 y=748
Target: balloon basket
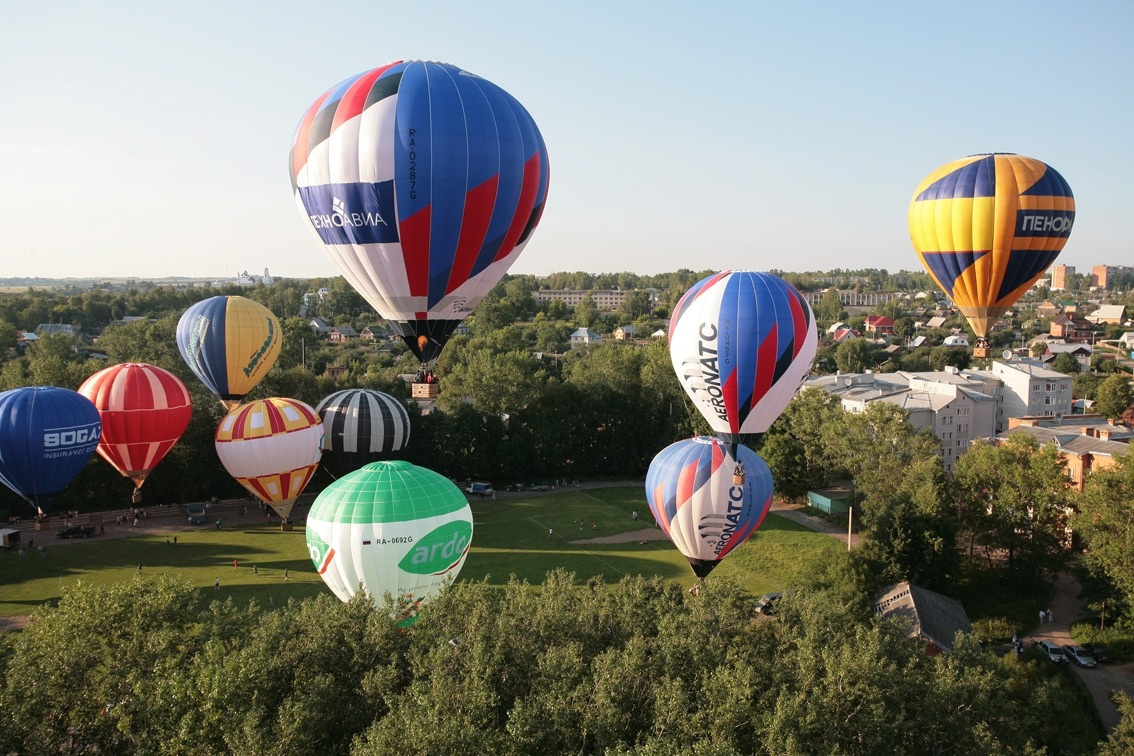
x=40 y=525
x=424 y=390
x=286 y=526
x=980 y=353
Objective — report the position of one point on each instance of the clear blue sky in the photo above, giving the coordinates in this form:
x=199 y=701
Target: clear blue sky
x=151 y=138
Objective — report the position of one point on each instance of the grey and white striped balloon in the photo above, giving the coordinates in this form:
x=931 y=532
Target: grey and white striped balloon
x=361 y=426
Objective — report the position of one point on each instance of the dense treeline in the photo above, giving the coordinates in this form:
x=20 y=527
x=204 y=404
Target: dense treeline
x=637 y=667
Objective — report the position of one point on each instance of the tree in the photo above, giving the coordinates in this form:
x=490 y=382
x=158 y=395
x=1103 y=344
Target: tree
x=1105 y=522
x=795 y=445
x=1114 y=396
x=83 y=677
x=586 y=313
x=634 y=667
x=1013 y=500
x=904 y=327
x=830 y=307
x=911 y=531
x=635 y=304
x=854 y=356
x=1085 y=386
x=875 y=447
x=1066 y=363
x=943 y=356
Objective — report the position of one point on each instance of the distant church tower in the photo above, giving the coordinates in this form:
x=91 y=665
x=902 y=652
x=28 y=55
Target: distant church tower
x=267 y=281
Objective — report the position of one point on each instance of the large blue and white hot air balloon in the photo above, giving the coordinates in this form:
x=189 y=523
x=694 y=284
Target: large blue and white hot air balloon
x=700 y=505
x=741 y=343
x=423 y=182
x=47 y=434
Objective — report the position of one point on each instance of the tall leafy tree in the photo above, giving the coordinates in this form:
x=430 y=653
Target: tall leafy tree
x=854 y=356
x=1114 y=396
x=1013 y=502
x=1105 y=521
x=795 y=446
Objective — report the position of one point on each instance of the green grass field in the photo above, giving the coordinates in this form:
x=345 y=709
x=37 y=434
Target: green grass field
x=510 y=537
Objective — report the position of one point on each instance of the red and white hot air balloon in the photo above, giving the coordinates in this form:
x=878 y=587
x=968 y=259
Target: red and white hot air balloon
x=144 y=410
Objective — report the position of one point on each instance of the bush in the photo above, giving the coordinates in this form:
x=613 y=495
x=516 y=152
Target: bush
x=993 y=630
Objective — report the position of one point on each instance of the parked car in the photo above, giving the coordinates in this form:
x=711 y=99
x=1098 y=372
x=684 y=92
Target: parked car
x=1079 y=656
x=480 y=488
x=1099 y=651
x=1053 y=651
x=767 y=603
x=541 y=487
x=517 y=487
x=197 y=514
x=76 y=531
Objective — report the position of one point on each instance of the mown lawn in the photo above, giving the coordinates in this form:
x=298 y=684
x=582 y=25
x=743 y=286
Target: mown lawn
x=510 y=537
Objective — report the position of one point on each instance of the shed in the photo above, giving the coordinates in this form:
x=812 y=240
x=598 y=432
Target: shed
x=835 y=500
x=932 y=617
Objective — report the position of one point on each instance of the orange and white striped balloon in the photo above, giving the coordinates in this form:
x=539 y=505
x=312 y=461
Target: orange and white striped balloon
x=272 y=448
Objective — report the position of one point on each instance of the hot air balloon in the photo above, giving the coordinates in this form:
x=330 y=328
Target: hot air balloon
x=390 y=528
x=741 y=343
x=699 y=506
x=986 y=227
x=47 y=434
x=272 y=447
x=360 y=426
x=423 y=182
x=144 y=410
x=230 y=343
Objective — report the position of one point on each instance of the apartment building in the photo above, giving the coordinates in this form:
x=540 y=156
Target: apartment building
x=958 y=406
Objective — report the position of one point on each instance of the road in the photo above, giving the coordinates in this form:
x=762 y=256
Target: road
x=1067 y=608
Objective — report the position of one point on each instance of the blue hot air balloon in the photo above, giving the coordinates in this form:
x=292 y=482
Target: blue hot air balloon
x=699 y=503
x=47 y=434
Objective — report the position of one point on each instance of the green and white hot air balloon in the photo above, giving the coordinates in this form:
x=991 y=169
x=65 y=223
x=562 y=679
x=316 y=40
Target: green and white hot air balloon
x=390 y=527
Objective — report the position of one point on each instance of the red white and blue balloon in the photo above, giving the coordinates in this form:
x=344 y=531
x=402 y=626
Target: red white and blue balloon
x=741 y=343
x=699 y=505
x=423 y=182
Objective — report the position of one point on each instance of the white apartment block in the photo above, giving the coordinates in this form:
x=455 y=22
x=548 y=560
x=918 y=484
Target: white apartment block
x=606 y=300
x=959 y=406
x=1032 y=390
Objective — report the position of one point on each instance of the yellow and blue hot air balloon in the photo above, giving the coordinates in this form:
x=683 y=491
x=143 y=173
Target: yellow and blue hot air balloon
x=986 y=227
x=230 y=343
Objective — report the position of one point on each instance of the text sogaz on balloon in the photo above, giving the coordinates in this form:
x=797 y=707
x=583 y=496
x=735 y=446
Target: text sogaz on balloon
x=70 y=437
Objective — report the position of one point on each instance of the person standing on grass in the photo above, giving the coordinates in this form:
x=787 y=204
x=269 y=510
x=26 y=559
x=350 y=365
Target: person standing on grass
x=216 y=584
